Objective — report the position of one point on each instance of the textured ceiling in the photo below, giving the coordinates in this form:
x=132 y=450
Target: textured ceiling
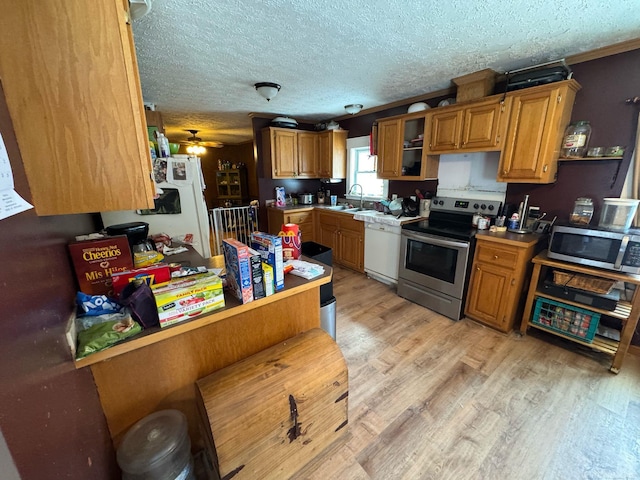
x=199 y=59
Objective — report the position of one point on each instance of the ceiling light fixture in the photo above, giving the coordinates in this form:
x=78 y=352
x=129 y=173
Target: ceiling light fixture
x=353 y=108
x=196 y=150
x=267 y=89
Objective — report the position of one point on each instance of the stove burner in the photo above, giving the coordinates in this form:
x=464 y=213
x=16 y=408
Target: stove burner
x=452 y=217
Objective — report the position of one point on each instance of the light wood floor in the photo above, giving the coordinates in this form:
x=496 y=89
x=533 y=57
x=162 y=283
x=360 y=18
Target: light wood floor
x=430 y=398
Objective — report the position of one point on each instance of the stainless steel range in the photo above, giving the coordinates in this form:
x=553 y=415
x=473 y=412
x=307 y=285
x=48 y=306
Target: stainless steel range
x=436 y=254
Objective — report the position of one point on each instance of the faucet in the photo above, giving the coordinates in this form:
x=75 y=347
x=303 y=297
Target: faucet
x=357 y=185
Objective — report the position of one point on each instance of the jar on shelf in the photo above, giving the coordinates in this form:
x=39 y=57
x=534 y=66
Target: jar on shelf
x=576 y=140
x=582 y=211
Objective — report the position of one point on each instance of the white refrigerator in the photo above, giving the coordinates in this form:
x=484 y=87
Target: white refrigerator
x=179 y=176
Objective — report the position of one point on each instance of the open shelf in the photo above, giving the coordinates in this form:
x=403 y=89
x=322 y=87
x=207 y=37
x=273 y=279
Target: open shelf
x=602 y=344
x=588 y=159
x=622 y=311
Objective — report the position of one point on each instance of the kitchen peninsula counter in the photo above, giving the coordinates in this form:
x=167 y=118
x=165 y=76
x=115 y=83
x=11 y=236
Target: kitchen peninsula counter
x=158 y=368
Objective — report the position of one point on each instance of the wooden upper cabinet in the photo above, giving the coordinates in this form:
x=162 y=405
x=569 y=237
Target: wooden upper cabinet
x=400 y=155
x=289 y=153
x=308 y=160
x=389 y=148
x=538 y=118
x=445 y=128
x=280 y=151
x=333 y=153
x=71 y=83
x=477 y=126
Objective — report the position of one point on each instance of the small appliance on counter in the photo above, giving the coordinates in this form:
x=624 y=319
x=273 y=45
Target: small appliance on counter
x=137 y=233
x=306 y=198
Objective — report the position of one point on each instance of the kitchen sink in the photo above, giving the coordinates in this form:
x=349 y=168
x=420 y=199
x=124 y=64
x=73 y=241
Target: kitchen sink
x=337 y=207
x=357 y=209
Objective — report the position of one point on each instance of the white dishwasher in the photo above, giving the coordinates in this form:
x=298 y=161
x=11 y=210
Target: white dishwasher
x=381 y=251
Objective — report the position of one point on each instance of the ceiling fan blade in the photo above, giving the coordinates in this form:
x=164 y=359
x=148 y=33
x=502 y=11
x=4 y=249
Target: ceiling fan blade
x=212 y=144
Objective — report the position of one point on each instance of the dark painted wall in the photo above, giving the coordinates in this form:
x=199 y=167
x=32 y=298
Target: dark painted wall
x=50 y=413
x=606 y=83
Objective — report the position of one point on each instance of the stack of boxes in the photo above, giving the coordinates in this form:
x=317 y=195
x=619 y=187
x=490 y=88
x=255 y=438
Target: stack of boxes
x=257 y=271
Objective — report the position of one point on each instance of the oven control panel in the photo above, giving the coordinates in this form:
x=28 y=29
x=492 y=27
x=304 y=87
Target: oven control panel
x=466 y=205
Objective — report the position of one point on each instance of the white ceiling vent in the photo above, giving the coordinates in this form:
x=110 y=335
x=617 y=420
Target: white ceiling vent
x=139 y=8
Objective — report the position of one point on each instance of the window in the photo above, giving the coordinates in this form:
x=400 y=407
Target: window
x=362 y=170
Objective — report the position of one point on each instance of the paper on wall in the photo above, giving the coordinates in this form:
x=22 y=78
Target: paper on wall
x=10 y=202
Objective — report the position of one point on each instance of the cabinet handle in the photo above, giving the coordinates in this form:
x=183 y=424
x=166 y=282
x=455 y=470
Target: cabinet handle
x=502 y=106
x=429 y=145
x=495 y=257
x=559 y=98
x=478 y=268
x=504 y=172
x=513 y=282
x=498 y=139
x=545 y=168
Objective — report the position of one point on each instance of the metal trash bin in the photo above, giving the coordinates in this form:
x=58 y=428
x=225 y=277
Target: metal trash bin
x=323 y=254
x=328 y=317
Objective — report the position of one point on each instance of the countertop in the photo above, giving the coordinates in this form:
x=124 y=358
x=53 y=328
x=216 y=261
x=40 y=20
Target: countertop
x=510 y=238
x=292 y=285
x=367 y=216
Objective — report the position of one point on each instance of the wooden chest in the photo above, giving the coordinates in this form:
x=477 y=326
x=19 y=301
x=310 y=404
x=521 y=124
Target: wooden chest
x=270 y=414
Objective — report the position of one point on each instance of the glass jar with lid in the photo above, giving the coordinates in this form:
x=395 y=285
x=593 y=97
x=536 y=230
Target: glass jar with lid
x=582 y=211
x=576 y=140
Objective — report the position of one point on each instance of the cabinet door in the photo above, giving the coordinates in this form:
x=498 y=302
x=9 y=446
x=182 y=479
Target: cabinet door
x=351 y=250
x=304 y=220
x=284 y=153
x=332 y=152
x=326 y=235
x=308 y=164
x=325 y=150
x=351 y=243
x=490 y=299
x=389 y=148
x=275 y=219
x=482 y=126
x=444 y=132
x=80 y=124
x=536 y=124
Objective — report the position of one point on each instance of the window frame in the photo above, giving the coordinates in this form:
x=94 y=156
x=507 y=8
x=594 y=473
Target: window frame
x=354 y=144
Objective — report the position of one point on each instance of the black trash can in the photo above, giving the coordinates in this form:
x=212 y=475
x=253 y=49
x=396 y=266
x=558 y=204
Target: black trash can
x=323 y=254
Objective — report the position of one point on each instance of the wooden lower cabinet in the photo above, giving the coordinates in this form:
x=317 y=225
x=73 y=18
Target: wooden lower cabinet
x=304 y=219
x=499 y=277
x=344 y=235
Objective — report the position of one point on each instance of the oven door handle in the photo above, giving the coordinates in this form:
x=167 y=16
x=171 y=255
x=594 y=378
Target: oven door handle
x=434 y=240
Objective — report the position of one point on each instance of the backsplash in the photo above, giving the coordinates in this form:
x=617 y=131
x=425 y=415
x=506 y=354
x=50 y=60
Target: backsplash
x=470 y=175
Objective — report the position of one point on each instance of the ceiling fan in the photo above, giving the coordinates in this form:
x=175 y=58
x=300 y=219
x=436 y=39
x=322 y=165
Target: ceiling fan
x=195 y=141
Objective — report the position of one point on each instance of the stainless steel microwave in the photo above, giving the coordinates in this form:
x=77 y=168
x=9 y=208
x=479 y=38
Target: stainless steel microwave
x=619 y=251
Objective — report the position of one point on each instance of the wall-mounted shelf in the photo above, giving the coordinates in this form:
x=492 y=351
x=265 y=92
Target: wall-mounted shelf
x=592 y=159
